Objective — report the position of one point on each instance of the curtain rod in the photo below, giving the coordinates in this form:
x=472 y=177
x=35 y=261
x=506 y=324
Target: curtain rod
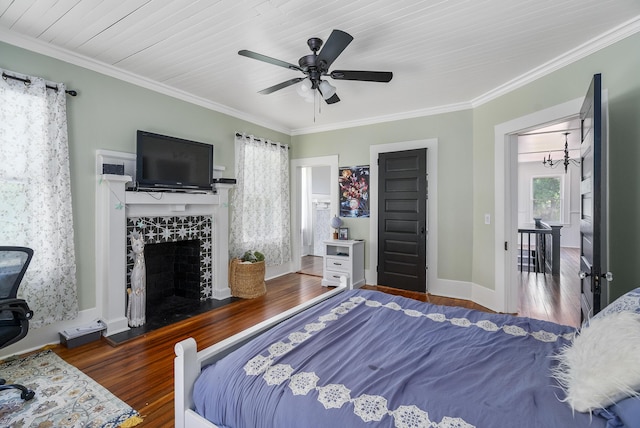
x=6 y=76
x=261 y=140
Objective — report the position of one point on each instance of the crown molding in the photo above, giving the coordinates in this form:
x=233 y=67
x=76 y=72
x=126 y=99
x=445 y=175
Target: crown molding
x=385 y=118
x=608 y=38
x=66 y=55
x=602 y=41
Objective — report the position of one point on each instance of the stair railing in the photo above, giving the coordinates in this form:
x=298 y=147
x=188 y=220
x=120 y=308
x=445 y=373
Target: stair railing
x=540 y=248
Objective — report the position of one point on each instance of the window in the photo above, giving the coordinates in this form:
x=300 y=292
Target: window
x=548 y=198
x=35 y=195
x=260 y=200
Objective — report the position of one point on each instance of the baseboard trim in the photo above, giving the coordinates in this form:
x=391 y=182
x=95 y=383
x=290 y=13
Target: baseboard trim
x=466 y=290
x=38 y=338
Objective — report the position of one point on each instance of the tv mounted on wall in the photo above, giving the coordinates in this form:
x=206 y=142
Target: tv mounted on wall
x=170 y=163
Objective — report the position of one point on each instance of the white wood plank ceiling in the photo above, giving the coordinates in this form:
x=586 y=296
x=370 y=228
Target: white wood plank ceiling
x=444 y=55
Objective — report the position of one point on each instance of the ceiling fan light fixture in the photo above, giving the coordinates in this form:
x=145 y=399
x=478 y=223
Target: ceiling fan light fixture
x=316 y=65
x=304 y=88
x=327 y=89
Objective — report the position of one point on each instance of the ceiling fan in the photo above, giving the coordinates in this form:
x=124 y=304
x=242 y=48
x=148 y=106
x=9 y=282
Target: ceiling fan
x=316 y=65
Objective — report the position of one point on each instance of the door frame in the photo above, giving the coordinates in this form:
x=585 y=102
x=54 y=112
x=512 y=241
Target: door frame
x=506 y=194
x=431 y=145
x=296 y=192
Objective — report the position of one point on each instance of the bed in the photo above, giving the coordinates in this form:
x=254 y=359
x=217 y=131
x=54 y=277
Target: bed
x=365 y=358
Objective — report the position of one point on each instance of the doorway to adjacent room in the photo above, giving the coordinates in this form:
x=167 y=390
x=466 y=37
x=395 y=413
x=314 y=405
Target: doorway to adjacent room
x=548 y=210
x=312 y=210
x=509 y=285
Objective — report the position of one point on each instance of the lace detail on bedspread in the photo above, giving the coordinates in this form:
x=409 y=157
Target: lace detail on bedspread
x=370 y=408
x=543 y=336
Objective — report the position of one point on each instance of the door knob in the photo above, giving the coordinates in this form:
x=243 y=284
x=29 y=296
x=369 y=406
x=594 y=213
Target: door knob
x=608 y=276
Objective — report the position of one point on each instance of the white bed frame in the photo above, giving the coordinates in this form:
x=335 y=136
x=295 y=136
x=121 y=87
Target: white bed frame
x=189 y=361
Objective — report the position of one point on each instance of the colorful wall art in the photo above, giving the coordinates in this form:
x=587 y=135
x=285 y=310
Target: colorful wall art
x=354 y=191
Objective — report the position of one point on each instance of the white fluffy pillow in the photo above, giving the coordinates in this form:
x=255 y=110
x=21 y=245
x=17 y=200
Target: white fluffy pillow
x=602 y=365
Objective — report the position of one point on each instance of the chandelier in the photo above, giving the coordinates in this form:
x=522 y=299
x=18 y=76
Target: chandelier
x=566 y=160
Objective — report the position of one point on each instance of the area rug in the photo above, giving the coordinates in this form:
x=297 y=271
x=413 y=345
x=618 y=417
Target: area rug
x=65 y=397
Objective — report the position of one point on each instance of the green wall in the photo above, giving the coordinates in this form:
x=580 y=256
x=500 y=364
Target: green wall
x=455 y=166
x=105 y=115
x=619 y=65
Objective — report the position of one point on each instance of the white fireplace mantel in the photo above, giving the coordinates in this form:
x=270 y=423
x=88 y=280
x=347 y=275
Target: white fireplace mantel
x=114 y=204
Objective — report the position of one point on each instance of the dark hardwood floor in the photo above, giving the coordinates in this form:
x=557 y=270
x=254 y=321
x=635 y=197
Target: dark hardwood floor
x=547 y=297
x=430 y=298
x=140 y=371
x=553 y=298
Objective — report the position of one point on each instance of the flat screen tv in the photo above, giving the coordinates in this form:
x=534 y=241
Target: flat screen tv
x=164 y=162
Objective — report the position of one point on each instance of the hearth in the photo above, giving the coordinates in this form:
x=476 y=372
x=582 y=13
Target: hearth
x=171 y=310
x=177 y=272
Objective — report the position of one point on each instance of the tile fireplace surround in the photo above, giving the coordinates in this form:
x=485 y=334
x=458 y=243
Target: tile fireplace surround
x=114 y=205
x=174 y=230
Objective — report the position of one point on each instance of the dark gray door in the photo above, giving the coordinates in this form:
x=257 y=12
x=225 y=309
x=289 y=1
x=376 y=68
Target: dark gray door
x=402 y=220
x=592 y=201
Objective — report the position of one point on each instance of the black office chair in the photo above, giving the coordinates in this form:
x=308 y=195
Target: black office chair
x=14 y=313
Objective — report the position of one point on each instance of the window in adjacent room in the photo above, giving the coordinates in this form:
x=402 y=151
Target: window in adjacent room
x=548 y=198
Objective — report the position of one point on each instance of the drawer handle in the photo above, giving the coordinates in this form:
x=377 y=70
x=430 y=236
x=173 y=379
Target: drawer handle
x=337 y=264
x=336 y=276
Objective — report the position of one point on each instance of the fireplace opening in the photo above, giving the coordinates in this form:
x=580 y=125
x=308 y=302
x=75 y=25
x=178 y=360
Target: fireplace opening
x=179 y=255
x=173 y=270
x=173 y=280
x=173 y=286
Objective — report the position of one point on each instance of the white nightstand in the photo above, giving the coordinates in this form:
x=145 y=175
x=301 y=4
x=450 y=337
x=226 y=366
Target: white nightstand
x=343 y=258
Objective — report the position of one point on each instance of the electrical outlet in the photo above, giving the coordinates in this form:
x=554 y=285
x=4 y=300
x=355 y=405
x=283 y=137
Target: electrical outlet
x=487 y=219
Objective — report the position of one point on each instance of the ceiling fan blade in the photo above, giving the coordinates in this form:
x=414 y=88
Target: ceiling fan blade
x=334 y=99
x=280 y=86
x=260 y=57
x=335 y=44
x=366 y=76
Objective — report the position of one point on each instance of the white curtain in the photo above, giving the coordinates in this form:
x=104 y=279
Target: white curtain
x=260 y=219
x=35 y=194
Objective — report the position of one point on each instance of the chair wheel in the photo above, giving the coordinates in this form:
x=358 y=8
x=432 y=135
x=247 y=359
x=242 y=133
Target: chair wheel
x=27 y=395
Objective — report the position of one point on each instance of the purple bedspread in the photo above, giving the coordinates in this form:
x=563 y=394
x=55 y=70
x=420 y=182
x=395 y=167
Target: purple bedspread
x=365 y=358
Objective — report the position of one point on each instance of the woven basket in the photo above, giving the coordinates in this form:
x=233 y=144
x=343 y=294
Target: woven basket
x=246 y=280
